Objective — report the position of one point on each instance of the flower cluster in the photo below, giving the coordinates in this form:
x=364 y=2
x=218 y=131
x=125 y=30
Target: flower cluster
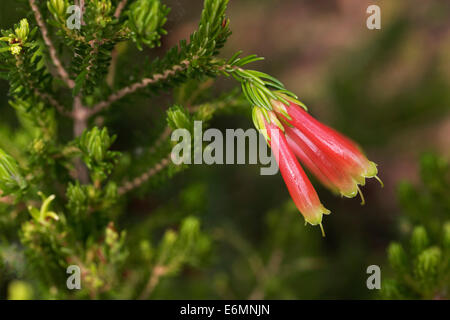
x=335 y=160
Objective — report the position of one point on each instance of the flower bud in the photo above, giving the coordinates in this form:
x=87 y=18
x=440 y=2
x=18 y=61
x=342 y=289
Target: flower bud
x=397 y=256
x=166 y=249
x=96 y=143
x=427 y=264
x=76 y=195
x=111 y=235
x=58 y=8
x=146 y=18
x=103 y=9
x=260 y=117
x=178 y=118
x=22 y=30
x=190 y=227
x=419 y=240
x=146 y=249
x=15 y=49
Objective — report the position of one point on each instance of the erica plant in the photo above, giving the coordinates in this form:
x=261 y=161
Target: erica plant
x=64 y=191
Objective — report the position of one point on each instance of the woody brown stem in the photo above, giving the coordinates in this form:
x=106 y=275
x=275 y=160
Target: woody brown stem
x=138 y=85
x=119 y=8
x=80 y=116
x=51 y=48
x=138 y=181
x=153 y=281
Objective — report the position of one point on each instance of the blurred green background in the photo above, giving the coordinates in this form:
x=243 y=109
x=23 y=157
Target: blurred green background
x=387 y=89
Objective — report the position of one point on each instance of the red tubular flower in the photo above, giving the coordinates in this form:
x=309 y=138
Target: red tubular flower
x=333 y=158
x=305 y=160
x=339 y=160
x=298 y=184
x=318 y=162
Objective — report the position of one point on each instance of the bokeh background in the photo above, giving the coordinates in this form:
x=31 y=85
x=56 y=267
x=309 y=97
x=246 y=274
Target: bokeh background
x=387 y=89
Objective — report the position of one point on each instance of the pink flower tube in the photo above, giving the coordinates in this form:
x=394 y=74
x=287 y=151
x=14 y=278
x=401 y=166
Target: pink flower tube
x=339 y=159
x=298 y=184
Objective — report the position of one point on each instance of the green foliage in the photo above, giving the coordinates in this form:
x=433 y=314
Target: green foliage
x=178 y=118
x=86 y=177
x=64 y=191
x=21 y=57
x=177 y=249
x=94 y=145
x=422 y=267
x=58 y=9
x=146 y=21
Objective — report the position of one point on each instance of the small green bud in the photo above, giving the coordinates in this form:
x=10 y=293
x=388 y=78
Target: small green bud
x=419 y=240
x=146 y=249
x=189 y=232
x=23 y=30
x=38 y=146
x=274 y=119
x=190 y=226
x=11 y=179
x=397 y=256
x=427 y=264
x=111 y=235
x=205 y=112
x=103 y=9
x=15 y=49
x=91 y=191
x=170 y=237
x=260 y=117
x=77 y=196
x=103 y=6
x=95 y=143
x=146 y=19
x=166 y=249
x=178 y=118
x=58 y=8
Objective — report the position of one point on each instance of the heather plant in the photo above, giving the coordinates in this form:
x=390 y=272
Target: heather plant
x=66 y=191
x=421 y=261
x=75 y=171
x=63 y=192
